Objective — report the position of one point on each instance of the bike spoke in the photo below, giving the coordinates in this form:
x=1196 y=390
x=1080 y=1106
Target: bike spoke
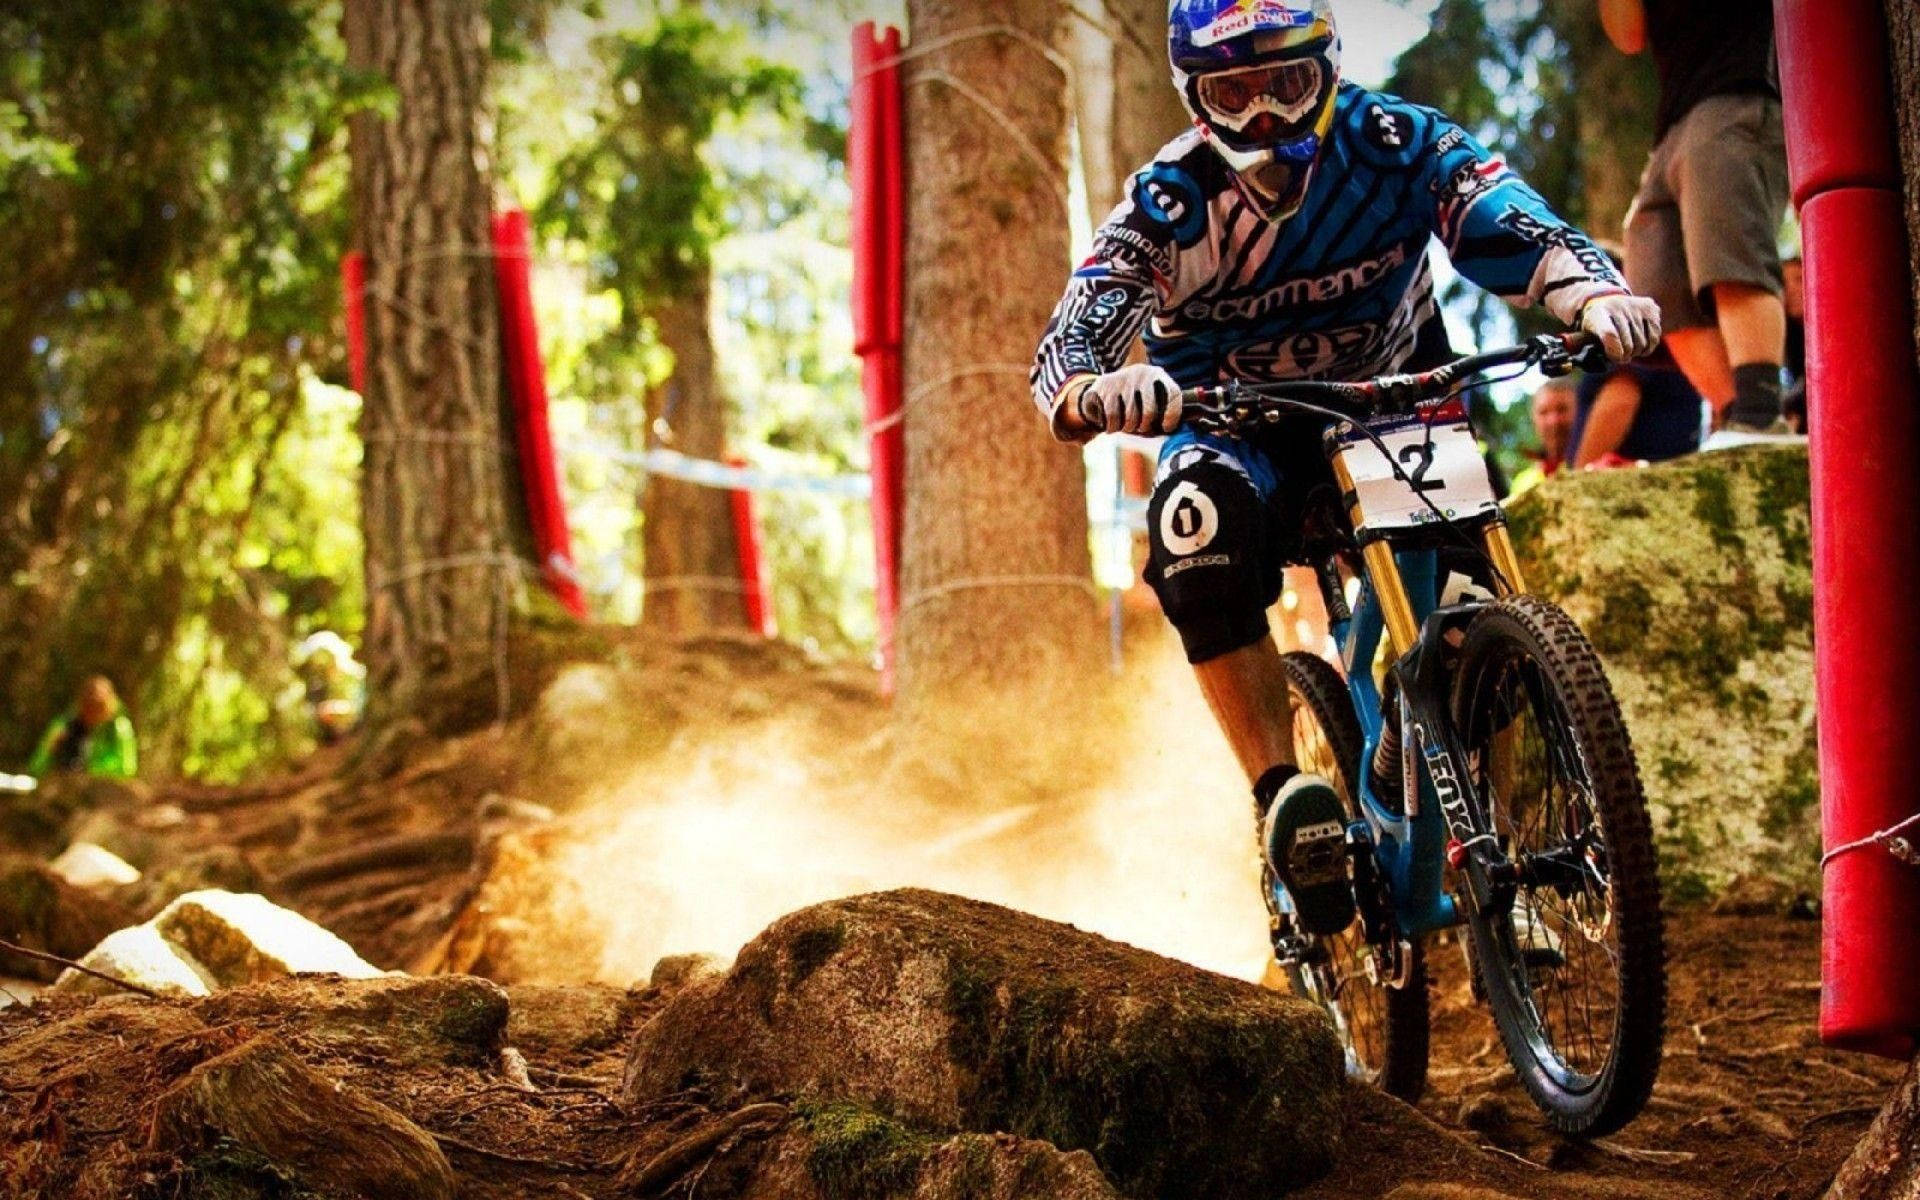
x=1538 y=796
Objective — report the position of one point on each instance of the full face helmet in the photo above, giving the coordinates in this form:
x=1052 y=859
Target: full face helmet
x=1260 y=77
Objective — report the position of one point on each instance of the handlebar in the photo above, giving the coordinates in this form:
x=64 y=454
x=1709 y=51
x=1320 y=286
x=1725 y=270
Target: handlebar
x=1234 y=406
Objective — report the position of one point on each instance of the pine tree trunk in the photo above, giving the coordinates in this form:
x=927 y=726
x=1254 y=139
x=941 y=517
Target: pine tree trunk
x=1090 y=46
x=692 y=565
x=438 y=573
x=1147 y=111
x=1127 y=106
x=1903 y=22
x=996 y=570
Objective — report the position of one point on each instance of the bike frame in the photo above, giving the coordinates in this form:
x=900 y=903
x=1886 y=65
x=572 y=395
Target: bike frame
x=1398 y=599
x=1437 y=822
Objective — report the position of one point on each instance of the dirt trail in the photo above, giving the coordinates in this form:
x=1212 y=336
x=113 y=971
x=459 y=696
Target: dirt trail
x=681 y=800
x=1749 y=1106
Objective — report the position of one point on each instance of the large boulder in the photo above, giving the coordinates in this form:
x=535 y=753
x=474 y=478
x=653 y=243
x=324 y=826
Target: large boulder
x=948 y=1014
x=41 y=911
x=1694 y=580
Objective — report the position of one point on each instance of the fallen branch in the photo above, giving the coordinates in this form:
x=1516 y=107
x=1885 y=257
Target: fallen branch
x=1523 y=1160
x=1636 y=1155
x=584 y=1082
x=57 y=961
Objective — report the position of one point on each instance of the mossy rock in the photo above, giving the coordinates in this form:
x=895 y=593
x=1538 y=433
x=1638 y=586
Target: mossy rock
x=944 y=1015
x=1694 y=580
x=441 y=1020
x=843 y=1151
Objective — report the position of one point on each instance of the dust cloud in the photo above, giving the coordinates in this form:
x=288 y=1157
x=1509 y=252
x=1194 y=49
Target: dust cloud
x=1140 y=829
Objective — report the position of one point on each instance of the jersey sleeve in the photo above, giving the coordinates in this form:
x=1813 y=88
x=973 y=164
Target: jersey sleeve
x=1502 y=235
x=1110 y=298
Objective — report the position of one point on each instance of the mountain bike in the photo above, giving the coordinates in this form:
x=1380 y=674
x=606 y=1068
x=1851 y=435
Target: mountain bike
x=1488 y=777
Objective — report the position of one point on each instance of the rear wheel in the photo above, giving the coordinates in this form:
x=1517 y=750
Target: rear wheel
x=1575 y=967
x=1382 y=1028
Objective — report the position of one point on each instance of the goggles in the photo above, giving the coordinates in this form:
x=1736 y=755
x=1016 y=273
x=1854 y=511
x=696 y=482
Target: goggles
x=1266 y=104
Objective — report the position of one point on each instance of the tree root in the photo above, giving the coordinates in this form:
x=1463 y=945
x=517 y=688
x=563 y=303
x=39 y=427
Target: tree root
x=755 y=1120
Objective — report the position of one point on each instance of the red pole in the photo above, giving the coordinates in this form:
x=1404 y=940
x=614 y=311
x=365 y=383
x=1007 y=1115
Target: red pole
x=755 y=594
x=353 y=292
x=1864 y=405
x=876 y=172
x=527 y=388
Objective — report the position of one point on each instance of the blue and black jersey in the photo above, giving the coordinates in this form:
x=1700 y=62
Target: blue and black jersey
x=1343 y=289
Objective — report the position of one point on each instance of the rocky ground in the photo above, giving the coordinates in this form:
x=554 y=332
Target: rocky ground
x=907 y=1044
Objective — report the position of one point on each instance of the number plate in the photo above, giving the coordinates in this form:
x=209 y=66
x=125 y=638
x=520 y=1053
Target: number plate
x=1441 y=460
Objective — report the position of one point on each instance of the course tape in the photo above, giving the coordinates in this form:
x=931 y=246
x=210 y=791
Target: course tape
x=672 y=464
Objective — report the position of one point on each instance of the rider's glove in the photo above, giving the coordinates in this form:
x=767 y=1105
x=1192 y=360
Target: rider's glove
x=1627 y=325
x=1138 y=399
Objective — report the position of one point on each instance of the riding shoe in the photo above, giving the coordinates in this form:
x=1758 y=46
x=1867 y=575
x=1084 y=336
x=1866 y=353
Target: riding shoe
x=1306 y=845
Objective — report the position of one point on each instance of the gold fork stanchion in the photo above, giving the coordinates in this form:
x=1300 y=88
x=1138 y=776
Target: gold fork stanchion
x=1382 y=571
x=1499 y=544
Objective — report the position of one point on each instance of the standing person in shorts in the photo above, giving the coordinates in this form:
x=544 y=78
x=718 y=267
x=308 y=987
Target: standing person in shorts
x=1702 y=236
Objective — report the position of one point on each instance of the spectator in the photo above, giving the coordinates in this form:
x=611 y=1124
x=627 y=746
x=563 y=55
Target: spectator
x=1701 y=236
x=333 y=684
x=94 y=738
x=1639 y=412
x=1554 y=408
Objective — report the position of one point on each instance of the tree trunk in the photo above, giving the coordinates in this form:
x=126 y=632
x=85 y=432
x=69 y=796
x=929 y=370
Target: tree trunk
x=1886 y=1163
x=1147 y=111
x=1903 y=22
x=438 y=571
x=996 y=570
x=1090 y=46
x=691 y=562
x=1127 y=106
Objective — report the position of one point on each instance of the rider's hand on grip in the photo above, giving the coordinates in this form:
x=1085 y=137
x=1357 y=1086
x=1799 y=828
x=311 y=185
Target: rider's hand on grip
x=1627 y=325
x=1139 y=399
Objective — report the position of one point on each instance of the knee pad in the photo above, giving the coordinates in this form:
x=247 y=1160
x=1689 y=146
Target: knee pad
x=1209 y=559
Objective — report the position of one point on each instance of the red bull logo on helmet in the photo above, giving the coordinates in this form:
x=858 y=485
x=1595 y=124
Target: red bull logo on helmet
x=1237 y=18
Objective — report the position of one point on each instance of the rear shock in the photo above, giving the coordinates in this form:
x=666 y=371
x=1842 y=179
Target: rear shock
x=1384 y=773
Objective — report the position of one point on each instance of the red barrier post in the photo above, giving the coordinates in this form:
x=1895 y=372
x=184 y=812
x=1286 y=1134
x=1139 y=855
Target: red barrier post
x=756 y=593
x=1864 y=405
x=527 y=389
x=353 y=295
x=876 y=173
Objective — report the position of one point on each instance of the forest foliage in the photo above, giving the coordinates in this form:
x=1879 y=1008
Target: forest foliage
x=178 y=450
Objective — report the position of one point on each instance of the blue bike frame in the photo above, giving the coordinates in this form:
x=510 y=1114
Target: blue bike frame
x=1410 y=851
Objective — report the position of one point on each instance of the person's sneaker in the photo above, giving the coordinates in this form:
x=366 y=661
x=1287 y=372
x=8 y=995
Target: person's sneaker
x=1738 y=433
x=1306 y=843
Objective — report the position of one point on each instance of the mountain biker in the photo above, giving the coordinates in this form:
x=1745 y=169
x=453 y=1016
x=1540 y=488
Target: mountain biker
x=1285 y=237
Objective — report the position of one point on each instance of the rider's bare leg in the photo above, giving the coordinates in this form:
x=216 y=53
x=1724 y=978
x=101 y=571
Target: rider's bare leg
x=1751 y=330
x=1247 y=691
x=1302 y=833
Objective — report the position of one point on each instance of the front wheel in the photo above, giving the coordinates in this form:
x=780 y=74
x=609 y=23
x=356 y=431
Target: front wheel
x=1382 y=1028
x=1574 y=966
